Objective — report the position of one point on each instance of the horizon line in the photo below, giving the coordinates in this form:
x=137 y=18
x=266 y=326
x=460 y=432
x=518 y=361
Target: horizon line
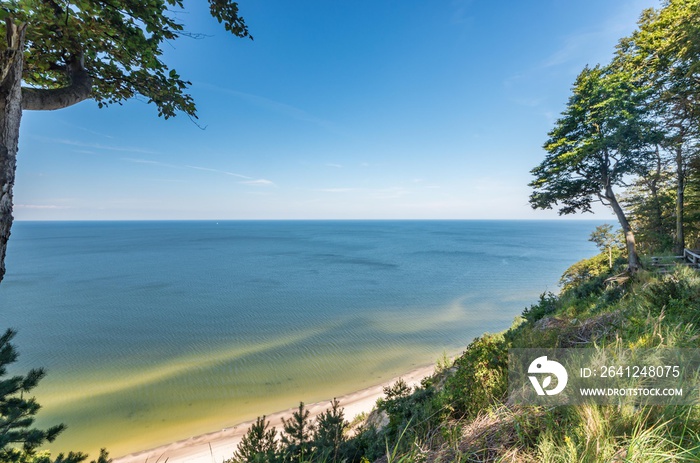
x=323 y=220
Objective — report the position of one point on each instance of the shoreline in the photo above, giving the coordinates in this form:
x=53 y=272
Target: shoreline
x=217 y=446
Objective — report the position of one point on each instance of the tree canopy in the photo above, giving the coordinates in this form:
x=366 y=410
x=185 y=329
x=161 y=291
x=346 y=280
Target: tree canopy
x=664 y=55
x=606 y=240
x=634 y=125
x=57 y=53
x=107 y=50
x=600 y=139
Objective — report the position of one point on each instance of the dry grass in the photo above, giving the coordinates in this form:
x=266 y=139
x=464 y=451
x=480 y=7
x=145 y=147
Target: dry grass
x=493 y=436
x=575 y=333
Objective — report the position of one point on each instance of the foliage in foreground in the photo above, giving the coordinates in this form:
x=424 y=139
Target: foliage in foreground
x=324 y=439
x=19 y=440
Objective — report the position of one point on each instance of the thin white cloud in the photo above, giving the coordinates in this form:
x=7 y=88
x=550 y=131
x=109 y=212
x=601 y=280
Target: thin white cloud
x=259 y=182
x=528 y=102
x=96 y=146
x=39 y=206
x=574 y=44
x=187 y=166
x=337 y=166
x=336 y=190
x=593 y=45
x=142 y=161
x=277 y=107
x=85 y=129
x=576 y=49
x=248 y=180
x=153 y=163
x=373 y=193
x=207 y=169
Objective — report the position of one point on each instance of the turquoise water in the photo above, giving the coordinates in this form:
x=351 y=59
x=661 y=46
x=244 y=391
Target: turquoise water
x=157 y=331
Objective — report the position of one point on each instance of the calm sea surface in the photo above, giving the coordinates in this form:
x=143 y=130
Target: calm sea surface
x=157 y=331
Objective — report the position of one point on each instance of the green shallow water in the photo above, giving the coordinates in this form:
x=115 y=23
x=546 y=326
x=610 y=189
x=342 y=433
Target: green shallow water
x=157 y=331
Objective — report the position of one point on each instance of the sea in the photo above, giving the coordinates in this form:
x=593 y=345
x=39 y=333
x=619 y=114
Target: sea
x=151 y=332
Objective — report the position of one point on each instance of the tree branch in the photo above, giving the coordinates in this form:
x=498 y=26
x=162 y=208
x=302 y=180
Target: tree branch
x=57 y=10
x=79 y=89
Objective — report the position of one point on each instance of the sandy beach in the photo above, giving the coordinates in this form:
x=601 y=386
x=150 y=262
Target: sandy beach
x=218 y=446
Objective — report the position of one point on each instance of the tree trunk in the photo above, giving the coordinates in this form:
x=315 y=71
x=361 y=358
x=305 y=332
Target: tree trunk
x=633 y=263
x=657 y=210
x=10 y=117
x=680 y=193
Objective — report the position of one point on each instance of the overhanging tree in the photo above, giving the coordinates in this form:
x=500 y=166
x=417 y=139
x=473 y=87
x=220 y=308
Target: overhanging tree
x=56 y=53
x=600 y=139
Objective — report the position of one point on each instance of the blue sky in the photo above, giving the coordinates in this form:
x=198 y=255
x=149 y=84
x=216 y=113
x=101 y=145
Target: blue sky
x=337 y=110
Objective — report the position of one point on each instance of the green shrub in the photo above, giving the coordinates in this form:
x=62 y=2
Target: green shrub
x=258 y=445
x=481 y=377
x=546 y=306
x=367 y=445
x=295 y=440
x=329 y=434
x=19 y=440
x=413 y=414
x=677 y=294
x=586 y=275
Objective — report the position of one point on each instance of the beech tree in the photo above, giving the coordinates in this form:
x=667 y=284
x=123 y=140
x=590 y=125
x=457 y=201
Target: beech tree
x=664 y=54
x=56 y=53
x=600 y=139
x=650 y=204
x=693 y=204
